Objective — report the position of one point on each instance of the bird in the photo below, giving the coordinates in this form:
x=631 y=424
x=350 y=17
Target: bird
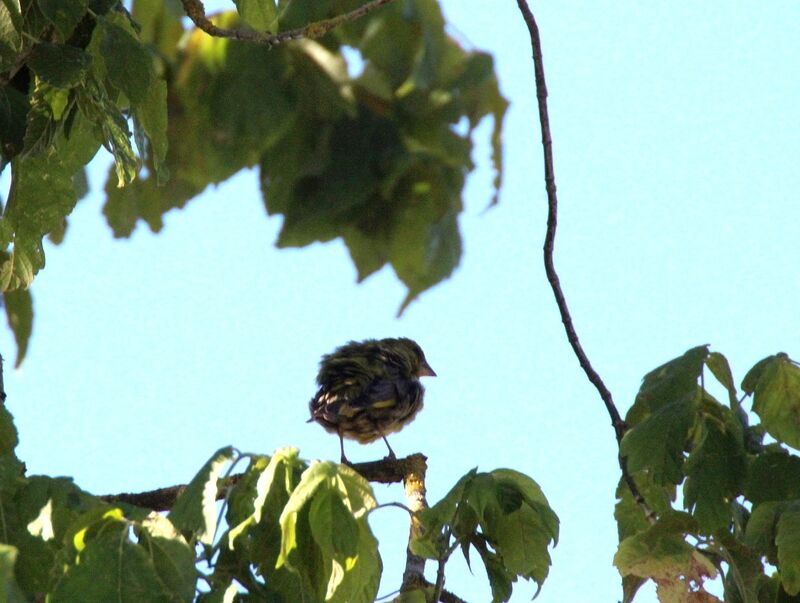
x=369 y=389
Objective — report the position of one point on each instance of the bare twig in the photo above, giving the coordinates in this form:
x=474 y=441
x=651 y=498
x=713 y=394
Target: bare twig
x=549 y=245
x=197 y=13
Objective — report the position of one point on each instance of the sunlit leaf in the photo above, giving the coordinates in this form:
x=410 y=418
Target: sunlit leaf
x=195 y=510
x=173 y=559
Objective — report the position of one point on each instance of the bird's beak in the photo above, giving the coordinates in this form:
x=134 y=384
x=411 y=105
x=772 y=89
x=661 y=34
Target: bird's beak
x=425 y=370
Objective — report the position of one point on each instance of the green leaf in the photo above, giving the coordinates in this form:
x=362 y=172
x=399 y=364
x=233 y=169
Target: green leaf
x=777 y=400
x=11 y=474
x=111 y=568
x=716 y=466
x=338 y=159
x=771 y=591
x=160 y=23
x=760 y=531
x=669 y=383
x=318 y=541
x=657 y=443
x=13 y=117
x=318 y=475
x=720 y=368
x=423 y=253
x=435 y=518
x=261 y=15
x=629 y=514
x=744 y=569
x=64 y=14
x=59 y=65
x=754 y=374
x=9 y=590
x=42 y=194
x=362 y=577
x=195 y=510
x=787 y=540
x=173 y=559
x=509 y=479
x=660 y=552
x=333 y=527
x=19 y=312
x=246 y=499
x=512 y=514
x=153 y=115
x=11 y=40
x=255 y=506
x=368 y=253
x=118 y=139
x=41 y=127
x=773 y=475
x=631 y=584
x=129 y=64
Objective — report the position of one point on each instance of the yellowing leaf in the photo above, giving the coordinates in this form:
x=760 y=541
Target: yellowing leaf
x=777 y=400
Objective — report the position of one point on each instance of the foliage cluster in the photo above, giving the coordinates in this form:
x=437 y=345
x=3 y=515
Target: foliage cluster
x=740 y=483
x=291 y=531
x=365 y=134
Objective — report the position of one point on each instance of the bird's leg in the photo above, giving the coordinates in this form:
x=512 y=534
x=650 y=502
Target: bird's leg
x=392 y=456
x=344 y=460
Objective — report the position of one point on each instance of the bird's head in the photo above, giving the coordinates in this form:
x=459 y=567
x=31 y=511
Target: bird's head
x=413 y=357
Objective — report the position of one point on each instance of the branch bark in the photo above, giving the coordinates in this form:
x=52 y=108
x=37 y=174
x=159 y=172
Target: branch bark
x=197 y=13
x=549 y=246
x=386 y=471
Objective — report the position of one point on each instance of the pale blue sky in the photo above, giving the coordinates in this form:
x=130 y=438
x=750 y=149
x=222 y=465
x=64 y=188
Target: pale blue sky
x=676 y=129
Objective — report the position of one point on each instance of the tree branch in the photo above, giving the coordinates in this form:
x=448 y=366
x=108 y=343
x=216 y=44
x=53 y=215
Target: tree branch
x=386 y=471
x=197 y=13
x=549 y=245
x=414 y=481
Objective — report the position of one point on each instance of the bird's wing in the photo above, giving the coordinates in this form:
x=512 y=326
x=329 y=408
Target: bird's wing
x=379 y=394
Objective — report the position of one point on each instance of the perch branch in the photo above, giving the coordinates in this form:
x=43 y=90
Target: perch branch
x=409 y=470
x=387 y=471
x=549 y=245
x=197 y=13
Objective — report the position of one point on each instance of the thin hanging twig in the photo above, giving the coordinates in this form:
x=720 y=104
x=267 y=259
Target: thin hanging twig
x=549 y=245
